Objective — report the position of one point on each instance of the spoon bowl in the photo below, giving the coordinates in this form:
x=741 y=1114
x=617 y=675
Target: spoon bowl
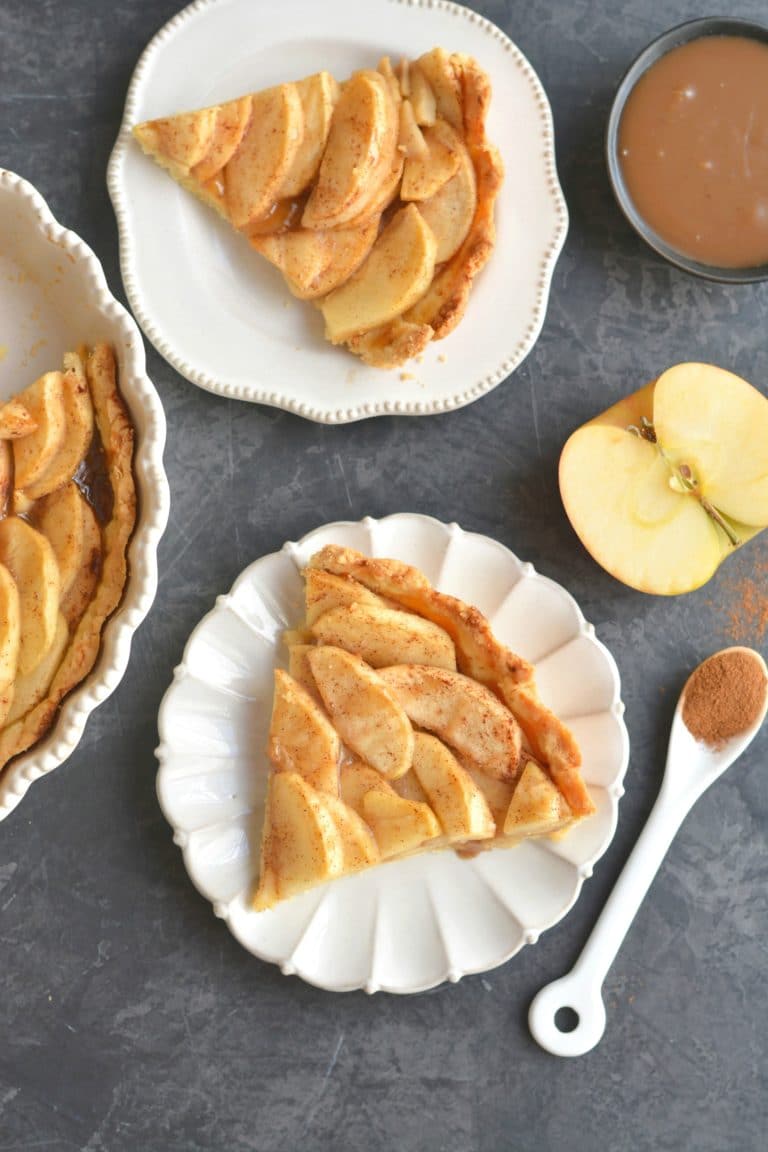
x=692 y=766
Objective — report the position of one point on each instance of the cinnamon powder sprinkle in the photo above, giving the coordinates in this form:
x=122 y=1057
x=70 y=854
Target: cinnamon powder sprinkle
x=744 y=604
x=724 y=696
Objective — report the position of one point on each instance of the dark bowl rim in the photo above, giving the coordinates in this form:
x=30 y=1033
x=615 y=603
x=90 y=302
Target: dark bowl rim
x=681 y=34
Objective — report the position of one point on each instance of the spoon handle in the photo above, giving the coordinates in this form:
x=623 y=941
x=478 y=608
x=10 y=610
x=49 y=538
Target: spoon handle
x=580 y=989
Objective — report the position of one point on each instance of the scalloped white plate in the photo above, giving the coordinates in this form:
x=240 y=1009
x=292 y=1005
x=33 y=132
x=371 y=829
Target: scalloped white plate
x=53 y=296
x=223 y=316
x=406 y=925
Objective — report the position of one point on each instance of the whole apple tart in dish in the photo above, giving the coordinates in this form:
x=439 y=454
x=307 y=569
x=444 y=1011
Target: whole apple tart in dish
x=68 y=508
x=402 y=725
x=374 y=198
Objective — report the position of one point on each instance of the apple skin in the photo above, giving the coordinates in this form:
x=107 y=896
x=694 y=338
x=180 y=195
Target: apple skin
x=629 y=411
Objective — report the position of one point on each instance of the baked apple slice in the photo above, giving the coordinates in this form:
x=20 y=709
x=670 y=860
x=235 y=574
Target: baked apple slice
x=396 y=274
x=364 y=711
x=537 y=807
x=318 y=95
x=61 y=518
x=315 y=262
x=10 y=639
x=464 y=714
x=229 y=128
x=78 y=432
x=32 y=687
x=424 y=174
x=301 y=739
x=358 y=843
x=449 y=212
x=15 y=421
x=358 y=153
x=32 y=454
x=399 y=825
x=255 y=174
x=453 y=795
x=357 y=779
x=438 y=71
x=301 y=845
x=384 y=636
x=31 y=561
x=324 y=591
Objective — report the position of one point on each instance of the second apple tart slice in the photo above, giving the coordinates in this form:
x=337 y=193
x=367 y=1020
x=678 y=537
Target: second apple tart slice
x=401 y=726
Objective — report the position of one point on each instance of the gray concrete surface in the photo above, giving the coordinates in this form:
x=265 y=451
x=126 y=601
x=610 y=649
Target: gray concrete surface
x=129 y=1018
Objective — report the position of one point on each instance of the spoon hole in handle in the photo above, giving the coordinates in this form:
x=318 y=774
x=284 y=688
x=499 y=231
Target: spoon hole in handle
x=567 y=1017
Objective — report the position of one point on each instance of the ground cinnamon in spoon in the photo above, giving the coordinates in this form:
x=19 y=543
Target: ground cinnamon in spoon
x=724 y=696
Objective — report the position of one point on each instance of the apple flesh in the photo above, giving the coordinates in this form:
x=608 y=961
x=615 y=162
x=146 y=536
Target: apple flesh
x=664 y=485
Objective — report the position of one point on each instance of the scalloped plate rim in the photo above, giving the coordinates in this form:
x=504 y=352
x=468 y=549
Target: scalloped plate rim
x=339 y=414
x=65 y=734
x=222 y=909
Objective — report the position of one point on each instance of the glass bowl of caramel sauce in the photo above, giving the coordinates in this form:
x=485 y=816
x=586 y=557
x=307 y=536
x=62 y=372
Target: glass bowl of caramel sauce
x=687 y=148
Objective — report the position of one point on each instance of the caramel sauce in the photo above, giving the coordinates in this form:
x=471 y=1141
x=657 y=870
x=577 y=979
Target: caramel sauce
x=92 y=478
x=693 y=150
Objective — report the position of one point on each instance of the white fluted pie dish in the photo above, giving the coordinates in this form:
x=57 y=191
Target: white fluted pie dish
x=221 y=315
x=54 y=297
x=406 y=925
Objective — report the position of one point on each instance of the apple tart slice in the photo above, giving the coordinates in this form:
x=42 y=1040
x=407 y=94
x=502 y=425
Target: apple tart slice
x=402 y=725
x=67 y=511
x=375 y=198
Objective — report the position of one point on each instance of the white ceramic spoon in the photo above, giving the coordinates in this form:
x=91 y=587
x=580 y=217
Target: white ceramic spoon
x=691 y=768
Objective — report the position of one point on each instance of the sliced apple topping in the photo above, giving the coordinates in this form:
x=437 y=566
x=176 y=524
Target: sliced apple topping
x=366 y=714
x=449 y=212
x=422 y=98
x=396 y=274
x=424 y=175
x=662 y=486
x=10 y=639
x=315 y=262
x=299 y=668
x=463 y=713
x=301 y=738
x=318 y=95
x=229 y=128
x=31 y=561
x=359 y=847
x=438 y=71
x=384 y=636
x=453 y=795
x=78 y=432
x=399 y=825
x=360 y=145
x=31 y=687
x=16 y=421
x=357 y=779
x=61 y=519
x=183 y=139
x=301 y=846
x=254 y=175
x=324 y=591
x=32 y=454
x=537 y=807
